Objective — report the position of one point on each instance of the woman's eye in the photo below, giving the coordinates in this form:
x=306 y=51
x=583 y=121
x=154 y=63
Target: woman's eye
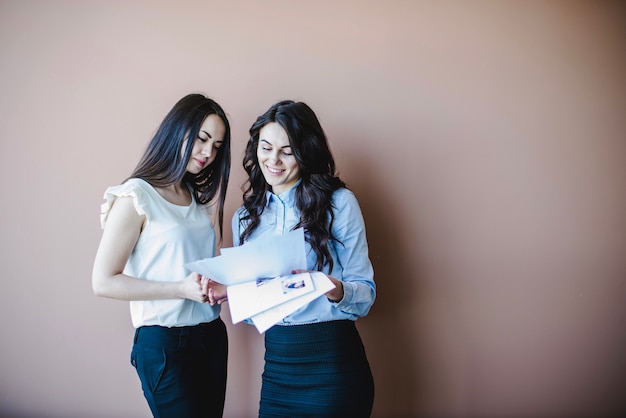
x=202 y=139
x=287 y=153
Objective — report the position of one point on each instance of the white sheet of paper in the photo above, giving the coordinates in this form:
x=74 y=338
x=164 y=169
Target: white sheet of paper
x=267 y=256
x=250 y=298
x=265 y=320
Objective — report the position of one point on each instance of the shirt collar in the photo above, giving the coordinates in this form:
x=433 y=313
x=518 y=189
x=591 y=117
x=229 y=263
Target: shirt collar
x=288 y=197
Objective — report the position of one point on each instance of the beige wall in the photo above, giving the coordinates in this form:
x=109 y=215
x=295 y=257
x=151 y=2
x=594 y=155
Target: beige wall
x=485 y=141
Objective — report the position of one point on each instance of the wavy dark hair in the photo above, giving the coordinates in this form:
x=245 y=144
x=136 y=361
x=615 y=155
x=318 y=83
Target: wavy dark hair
x=310 y=148
x=163 y=164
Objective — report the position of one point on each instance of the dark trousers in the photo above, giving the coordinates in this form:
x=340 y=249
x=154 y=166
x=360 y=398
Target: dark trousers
x=182 y=369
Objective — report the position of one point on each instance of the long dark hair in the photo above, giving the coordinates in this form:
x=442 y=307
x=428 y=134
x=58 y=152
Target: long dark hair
x=163 y=164
x=317 y=169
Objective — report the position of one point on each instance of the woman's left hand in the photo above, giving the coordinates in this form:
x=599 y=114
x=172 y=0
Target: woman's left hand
x=215 y=292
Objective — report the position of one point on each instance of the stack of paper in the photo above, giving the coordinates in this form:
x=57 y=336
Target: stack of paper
x=259 y=281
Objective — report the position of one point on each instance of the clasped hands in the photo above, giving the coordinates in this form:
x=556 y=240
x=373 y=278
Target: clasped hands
x=212 y=291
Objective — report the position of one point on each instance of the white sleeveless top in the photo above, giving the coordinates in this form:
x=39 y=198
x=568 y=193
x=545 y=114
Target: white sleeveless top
x=172 y=236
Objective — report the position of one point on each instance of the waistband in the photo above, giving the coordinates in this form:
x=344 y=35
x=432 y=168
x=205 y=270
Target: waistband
x=175 y=337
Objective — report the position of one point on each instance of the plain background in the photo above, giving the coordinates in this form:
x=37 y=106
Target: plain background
x=485 y=141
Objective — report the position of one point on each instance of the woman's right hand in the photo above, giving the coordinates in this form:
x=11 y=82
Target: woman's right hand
x=191 y=288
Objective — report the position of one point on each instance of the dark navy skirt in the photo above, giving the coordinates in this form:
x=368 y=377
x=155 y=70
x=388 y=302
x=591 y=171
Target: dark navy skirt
x=316 y=370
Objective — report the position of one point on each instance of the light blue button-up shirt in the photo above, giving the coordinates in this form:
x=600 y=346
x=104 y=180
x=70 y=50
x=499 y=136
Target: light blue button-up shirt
x=351 y=260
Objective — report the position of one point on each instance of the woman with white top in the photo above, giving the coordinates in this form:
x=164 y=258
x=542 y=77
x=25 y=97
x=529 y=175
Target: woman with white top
x=157 y=220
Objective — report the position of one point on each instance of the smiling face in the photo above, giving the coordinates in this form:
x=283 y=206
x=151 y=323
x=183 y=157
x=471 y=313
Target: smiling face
x=278 y=165
x=210 y=139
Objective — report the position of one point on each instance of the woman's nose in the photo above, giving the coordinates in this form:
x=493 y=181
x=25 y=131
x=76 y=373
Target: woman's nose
x=275 y=158
x=207 y=150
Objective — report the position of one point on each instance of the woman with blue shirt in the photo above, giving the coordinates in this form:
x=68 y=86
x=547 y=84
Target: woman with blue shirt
x=315 y=362
x=153 y=223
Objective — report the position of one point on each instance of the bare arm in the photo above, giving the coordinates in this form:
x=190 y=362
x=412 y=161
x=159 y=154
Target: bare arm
x=119 y=237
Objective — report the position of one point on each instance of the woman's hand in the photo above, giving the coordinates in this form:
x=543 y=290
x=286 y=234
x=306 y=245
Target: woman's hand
x=213 y=291
x=191 y=288
x=334 y=295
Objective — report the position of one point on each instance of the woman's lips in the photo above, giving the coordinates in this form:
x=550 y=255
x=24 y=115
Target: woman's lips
x=274 y=170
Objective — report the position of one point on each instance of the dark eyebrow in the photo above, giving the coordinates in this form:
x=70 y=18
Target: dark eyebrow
x=267 y=142
x=208 y=134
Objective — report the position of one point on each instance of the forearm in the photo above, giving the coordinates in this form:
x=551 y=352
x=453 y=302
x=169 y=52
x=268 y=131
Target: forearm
x=124 y=287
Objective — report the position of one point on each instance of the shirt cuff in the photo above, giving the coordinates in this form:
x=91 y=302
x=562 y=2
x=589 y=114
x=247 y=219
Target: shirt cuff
x=348 y=293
